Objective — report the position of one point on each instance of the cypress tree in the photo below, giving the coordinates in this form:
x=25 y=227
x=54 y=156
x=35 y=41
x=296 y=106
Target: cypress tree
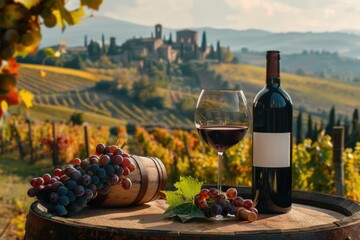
x=85 y=41
x=218 y=51
x=355 y=123
x=182 y=51
x=170 y=42
x=346 y=130
x=212 y=53
x=331 y=123
x=355 y=132
x=315 y=133
x=103 y=42
x=299 y=137
x=309 y=132
x=203 y=42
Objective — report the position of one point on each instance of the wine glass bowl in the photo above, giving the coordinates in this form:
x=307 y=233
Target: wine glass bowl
x=222 y=119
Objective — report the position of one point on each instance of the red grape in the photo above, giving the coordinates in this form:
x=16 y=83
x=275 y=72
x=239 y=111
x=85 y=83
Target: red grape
x=248 y=203
x=126 y=183
x=238 y=202
x=204 y=193
x=213 y=192
x=231 y=193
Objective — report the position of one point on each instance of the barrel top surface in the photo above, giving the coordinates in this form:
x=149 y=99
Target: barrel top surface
x=150 y=217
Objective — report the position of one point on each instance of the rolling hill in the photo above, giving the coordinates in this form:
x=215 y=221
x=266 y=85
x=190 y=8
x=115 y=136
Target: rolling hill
x=345 y=43
x=314 y=95
x=65 y=91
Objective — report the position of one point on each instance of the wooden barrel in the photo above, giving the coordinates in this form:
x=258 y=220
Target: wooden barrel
x=314 y=216
x=148 y=180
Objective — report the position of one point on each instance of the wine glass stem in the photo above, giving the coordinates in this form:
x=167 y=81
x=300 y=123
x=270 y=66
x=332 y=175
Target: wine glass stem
x=220 y=154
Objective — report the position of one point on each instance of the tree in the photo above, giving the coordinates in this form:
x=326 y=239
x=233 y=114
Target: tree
x=112 y=47
x=94 y=50
x=346 y=130
x=315 y=133
x=170 y=42
x=299 y=137
x=309 y=132
x=203 y=42
x=85 y=41
x=77 y=118
x=212 y=54
x=103 y=43
x=218 y=51
x=331 y=123
x=182 y=51
x=355 y=123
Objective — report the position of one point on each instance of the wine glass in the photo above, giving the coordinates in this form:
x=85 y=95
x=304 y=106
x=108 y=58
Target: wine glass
x=222 y=119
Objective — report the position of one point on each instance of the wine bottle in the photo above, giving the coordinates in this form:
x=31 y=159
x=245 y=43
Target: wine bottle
x=272 y=142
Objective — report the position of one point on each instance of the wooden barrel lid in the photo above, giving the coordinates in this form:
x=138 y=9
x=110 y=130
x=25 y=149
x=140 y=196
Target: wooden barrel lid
x=313 y=216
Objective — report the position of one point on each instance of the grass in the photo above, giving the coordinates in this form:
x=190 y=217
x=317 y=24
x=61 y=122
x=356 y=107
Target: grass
x=42 y=112
x=314 y=94
x=15 y=176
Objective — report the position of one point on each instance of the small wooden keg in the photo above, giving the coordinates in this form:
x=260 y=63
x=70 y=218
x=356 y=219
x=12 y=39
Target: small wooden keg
x=148 y=180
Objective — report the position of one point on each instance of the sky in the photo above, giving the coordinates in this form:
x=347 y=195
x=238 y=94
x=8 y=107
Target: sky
x=271 y=15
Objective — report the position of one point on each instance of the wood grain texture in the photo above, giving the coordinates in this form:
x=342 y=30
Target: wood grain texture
x=148 y=179
x=338 y=219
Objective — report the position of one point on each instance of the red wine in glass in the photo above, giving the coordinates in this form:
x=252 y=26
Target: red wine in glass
x=222 y=137
x=222 y=119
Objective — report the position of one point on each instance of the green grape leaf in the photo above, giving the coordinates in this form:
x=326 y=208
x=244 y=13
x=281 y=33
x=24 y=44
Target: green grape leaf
x=28 y=3
x=93 y=4
x=185 y=212
x=180 y=202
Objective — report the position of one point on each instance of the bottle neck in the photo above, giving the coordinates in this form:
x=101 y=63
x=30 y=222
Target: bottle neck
x=273 y=68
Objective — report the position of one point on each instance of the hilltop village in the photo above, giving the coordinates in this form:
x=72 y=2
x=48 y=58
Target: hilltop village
x=135 y=50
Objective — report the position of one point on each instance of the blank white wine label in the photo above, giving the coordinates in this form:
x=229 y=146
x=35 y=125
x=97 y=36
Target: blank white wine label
x=271 y=149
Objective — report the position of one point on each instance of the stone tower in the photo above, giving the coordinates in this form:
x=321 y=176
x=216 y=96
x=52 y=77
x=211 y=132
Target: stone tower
x=158 y=31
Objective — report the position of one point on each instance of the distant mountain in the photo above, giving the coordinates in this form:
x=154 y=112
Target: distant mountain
x=346 y=43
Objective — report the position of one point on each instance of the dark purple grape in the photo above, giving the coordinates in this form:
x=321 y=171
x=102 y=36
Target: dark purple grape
x=56 y=185
x=118 y=151
x=238 y=202
x=113 y=179
x=94 y=159
x=71 y=184
x=95 y=179
x=100 y=148
x=88 y=194
x=117 y=159
x=60 y=210
x=208 y=213
x=82 y=201
x=101 y=173
x=75 y=175
x=109 y=169
x=85 y=180
x=84 y=163
x=213 y=192
x=104 y=160
x=216 y=209
x=105 y=189
x=64 y=200
x=32 y=192
x=62 y=190
x=79 y=190
x=232 y=209
x=94 y=168
x=71 y=195
x=92 y=187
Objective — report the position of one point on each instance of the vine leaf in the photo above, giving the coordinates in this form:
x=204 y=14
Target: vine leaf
x=181 y=201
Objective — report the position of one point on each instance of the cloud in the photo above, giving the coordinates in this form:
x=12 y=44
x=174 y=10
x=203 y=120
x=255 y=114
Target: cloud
x=172 y=13
x=274 y=15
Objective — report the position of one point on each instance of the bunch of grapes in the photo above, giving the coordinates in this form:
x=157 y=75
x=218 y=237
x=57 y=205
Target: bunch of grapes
x=214 y=203
x=73 y=186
